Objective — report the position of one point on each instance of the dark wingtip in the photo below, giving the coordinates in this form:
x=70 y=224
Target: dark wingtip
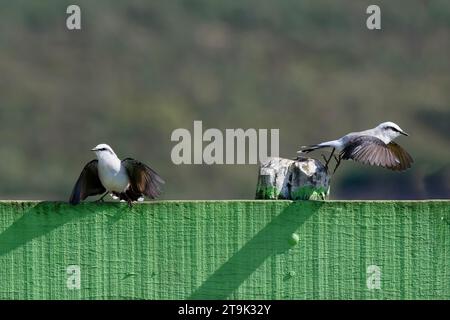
x=154 y=185
x=75 y=196
x=74 y=200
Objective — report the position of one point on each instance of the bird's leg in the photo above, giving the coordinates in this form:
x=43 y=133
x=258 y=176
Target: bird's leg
x=127 y=198
x=331 y=156
x=338 y=162
x=101 y=199
x=327 y=161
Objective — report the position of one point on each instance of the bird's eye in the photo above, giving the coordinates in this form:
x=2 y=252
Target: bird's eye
x=392 y=128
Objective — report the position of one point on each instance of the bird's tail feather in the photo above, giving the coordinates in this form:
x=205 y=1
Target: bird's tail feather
x=328 y=144
x=306 y=149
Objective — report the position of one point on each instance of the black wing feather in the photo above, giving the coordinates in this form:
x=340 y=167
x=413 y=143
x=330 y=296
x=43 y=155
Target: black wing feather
x=373 y=151
x=405 y=159
x=143 y=180
x=88 y=184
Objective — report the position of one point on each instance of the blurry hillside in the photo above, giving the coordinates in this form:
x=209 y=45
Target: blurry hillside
x=140 y=69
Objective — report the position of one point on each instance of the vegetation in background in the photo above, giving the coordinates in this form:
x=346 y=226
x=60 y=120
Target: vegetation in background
x=140 y=69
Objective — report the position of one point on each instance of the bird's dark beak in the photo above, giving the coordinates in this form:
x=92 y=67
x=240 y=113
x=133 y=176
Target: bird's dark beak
x=404 y=133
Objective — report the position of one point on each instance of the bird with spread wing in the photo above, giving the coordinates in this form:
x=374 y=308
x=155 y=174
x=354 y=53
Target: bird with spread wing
x=128 y=180
x=373 y=147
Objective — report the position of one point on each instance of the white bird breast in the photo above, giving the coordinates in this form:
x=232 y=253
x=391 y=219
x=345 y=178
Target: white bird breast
x=113 y=180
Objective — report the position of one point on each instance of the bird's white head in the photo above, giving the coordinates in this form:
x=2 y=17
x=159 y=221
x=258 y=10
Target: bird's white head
x=389 y=131
x=103 y=151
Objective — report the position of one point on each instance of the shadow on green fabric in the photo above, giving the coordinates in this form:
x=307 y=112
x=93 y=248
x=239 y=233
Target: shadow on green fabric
x=271 y=240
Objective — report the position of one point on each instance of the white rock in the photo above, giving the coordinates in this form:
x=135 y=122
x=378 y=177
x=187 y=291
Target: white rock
x=305 y=179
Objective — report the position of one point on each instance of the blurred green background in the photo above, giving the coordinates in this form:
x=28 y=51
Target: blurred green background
x=140 y=69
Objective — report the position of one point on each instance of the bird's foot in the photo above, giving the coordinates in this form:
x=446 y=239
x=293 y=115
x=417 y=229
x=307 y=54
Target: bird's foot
x=99 y=200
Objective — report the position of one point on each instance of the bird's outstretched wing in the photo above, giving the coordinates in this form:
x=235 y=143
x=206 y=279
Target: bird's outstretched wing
x=143 y=180
x=88 y=184
x=373 y=151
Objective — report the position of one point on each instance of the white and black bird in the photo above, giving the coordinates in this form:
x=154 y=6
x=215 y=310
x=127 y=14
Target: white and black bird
x=128 y=179
x=374 y=147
